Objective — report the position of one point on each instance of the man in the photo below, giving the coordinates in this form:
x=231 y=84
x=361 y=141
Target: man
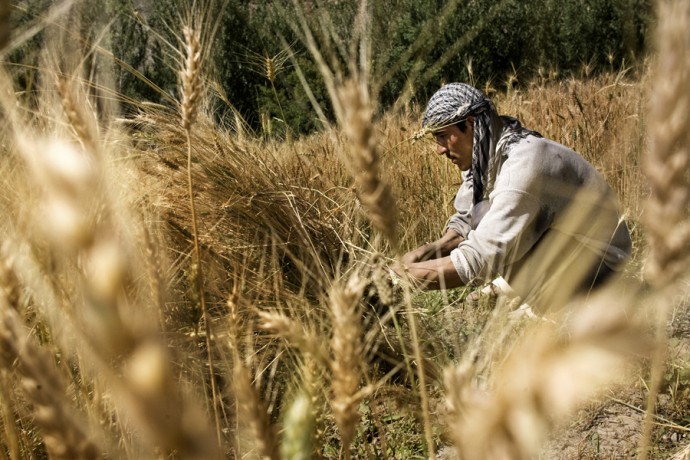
x=528 y=208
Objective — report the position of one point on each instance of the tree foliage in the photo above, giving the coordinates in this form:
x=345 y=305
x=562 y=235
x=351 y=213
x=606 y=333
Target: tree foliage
x=415 y=45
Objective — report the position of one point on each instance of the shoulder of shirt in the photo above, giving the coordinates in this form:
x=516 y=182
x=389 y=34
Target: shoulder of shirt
x=530 y=149
x=528 y=143
x=524 y=163
x=526 y=151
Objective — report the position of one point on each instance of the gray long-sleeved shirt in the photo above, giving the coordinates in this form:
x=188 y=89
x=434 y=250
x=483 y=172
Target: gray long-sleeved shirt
x=540 y=187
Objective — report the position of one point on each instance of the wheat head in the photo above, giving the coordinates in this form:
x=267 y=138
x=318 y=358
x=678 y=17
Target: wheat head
x=190 y=75
x=347 y=362
x=63 y=434
x=356 y=120
x=667 y=216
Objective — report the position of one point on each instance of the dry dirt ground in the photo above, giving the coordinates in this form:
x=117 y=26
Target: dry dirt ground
x=611 y=427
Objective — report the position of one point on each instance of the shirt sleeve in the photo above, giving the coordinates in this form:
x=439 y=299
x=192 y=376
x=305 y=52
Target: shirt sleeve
x=512 y=226
x=460 y=222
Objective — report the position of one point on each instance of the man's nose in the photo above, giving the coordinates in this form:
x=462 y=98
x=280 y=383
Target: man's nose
x=441 y=149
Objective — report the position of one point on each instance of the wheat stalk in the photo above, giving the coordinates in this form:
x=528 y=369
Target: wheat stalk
x=191 y=90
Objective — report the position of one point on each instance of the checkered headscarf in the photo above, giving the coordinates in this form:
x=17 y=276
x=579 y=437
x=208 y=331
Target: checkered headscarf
x=455 y=102
x=452 y=103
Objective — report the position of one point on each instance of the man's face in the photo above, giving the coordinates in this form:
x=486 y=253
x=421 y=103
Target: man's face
x=456 y=145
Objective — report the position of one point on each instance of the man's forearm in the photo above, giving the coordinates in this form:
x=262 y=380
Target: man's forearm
x=434 y=274
x=434 y=250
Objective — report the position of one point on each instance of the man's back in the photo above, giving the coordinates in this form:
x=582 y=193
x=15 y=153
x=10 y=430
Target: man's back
x=541 y=186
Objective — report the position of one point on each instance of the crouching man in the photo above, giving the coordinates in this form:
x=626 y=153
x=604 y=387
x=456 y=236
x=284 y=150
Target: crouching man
x=529 y=209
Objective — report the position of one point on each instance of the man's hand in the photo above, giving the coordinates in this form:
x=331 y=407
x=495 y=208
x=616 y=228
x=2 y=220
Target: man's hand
x=429 y=266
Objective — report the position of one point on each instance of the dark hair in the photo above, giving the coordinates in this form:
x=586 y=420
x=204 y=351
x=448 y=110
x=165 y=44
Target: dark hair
x=462 y=125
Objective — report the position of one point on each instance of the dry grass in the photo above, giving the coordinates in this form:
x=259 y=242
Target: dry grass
x=168 y=276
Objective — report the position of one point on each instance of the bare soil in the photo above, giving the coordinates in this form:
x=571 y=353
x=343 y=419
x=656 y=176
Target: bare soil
x=611 y=428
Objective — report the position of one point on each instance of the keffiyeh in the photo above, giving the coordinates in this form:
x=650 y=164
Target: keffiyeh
x=455 y=102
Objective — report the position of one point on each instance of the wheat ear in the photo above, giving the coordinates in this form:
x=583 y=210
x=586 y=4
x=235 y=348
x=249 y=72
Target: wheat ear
x=252 y=412
x=355 y=118
x=354 y=110
x=79 y=118
x=666 y=167
x=147 y=387
x=63 y=436
x=190 y=75
x=191 y=89
x=348 y=356
x=294 y=333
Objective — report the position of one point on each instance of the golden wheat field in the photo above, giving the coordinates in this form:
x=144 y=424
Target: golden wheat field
x=171 y=287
